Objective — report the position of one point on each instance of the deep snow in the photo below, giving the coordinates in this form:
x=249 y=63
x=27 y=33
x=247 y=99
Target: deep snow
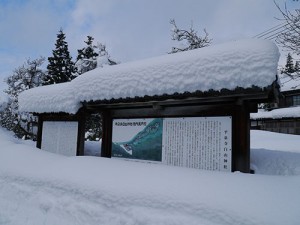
x=37 y=187
x=242 y=63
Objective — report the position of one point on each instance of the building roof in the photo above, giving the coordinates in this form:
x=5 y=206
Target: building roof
x=291 y=112
x=238 y=64
x=288 y=83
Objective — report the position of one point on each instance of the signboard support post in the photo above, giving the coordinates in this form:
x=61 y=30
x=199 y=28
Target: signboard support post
x=81 y=133
x=241 y=129
x=106 y=134
x=39 y=133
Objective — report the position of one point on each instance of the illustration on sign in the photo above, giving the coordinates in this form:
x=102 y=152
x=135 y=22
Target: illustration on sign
x=137 y=139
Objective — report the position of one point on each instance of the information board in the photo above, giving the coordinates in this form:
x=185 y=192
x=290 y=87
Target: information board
x=137 y=139
x=60 y=137
x=195 y=142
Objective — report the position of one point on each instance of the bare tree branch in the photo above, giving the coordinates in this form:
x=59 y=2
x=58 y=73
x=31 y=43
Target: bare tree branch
x=193 y=41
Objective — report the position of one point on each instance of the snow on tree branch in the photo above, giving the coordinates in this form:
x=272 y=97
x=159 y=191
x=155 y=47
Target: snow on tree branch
x=25 y=77
x=92 y=56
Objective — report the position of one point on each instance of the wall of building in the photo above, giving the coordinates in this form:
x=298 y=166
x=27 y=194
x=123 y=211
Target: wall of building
x=286 y=126
x=290 y=99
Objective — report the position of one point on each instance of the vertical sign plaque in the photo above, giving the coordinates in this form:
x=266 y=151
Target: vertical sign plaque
x=197 y=142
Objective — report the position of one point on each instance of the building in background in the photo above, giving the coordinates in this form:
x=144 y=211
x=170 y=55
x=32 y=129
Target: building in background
x=284 y=116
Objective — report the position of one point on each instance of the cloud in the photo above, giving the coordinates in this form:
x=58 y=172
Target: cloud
x=28 y=26
x=28 y=30
x=131 y=29
x=87 y=12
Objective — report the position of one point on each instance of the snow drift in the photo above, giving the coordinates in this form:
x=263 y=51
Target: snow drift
x=37 y=187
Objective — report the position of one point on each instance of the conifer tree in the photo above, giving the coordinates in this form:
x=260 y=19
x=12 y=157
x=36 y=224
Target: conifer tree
x=92 y=56
x=60 y=68
x=89 y=58
x=86 y=59
x=297 y=67
x=289 y=66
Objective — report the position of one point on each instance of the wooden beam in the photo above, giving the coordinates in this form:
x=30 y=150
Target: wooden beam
x=260 y=97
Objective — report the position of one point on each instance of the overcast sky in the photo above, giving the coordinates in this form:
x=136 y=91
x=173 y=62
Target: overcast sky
x=131 y=29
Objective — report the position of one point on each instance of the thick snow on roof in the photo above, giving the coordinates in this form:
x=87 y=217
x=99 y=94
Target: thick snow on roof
x=50 y=98
x=290 y=112
x=289 y=84
x=236 y=64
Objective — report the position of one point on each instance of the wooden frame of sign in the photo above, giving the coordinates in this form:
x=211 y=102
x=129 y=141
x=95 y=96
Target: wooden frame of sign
x=63 y=117
x=234 y=104
x=236 y=107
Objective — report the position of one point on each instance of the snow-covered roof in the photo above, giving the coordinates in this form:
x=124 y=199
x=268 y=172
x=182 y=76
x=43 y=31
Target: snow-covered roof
x=287 y=83
x=291 y=112
x=236 y=64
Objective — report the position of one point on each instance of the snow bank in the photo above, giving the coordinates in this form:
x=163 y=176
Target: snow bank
x=275 y=153
x=275 y=141
x=236 y=64
x=37 y=187
x=291 y=112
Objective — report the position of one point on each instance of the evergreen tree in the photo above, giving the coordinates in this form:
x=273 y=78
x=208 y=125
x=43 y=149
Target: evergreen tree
x=86 y=59
x=60 y=68
x=27 y=76
x=289 y=66
x=190 y=38
x=89 y=58
x=92 y=56
x=297 y=67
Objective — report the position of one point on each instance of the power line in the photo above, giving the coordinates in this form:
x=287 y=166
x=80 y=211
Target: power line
x=274 y=35
x=270 y=30
x=275 y=31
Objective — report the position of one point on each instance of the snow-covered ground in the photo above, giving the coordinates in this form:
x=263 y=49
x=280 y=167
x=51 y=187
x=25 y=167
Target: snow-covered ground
x=37 y=187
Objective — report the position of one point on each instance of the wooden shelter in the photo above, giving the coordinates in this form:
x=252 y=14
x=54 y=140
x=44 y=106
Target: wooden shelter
x=196 y=111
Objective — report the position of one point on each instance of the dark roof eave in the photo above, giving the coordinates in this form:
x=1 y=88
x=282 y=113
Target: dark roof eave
x=173 y=101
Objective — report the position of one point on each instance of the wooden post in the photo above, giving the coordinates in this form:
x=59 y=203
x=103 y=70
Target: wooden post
x=81 y=133
x=106 y=134
x=39 y=132
x=241 y=138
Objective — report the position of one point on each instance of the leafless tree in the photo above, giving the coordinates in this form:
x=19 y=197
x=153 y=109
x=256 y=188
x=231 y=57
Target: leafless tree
x=289 y=38
x=191 y=38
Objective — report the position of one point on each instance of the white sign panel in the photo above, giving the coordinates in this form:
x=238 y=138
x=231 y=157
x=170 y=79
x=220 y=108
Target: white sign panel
x=60 y=137
x=195 y=142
